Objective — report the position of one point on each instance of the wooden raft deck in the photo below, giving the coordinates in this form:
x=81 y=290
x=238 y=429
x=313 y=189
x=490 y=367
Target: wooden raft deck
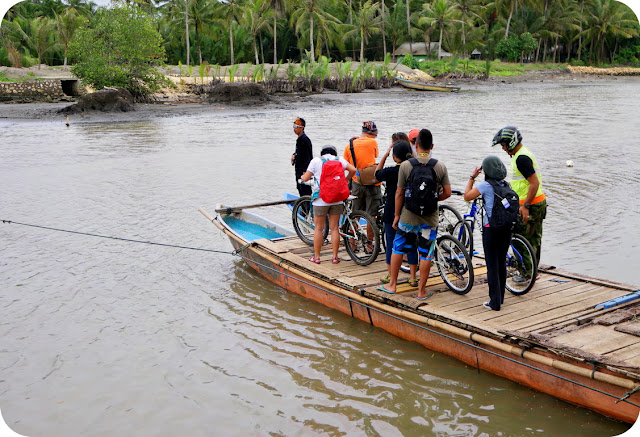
x=557 y=314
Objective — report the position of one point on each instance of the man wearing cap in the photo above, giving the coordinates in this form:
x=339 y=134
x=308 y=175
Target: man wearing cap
x=302 y=156
x=526 y=181
x=413 y=134
x=365 y=148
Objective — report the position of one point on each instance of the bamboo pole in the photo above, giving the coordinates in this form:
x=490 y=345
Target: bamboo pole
x=232 y=209
x=450 y=329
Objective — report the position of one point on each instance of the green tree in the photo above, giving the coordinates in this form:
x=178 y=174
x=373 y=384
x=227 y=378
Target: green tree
x=305 y=16
x=41 y=37
x=123 y=48
x=439 y=15
x=67 y=24
x=368 y=21
x=255 y=20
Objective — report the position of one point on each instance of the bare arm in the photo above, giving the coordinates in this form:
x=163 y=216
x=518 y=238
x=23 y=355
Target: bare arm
x=445 y=193
x=306 y=176
x=399 y=205
x=351 y=169
x=383 y=159
x=471 y=193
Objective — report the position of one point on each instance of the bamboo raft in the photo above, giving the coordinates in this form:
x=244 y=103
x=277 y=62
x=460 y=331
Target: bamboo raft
x=553 y=339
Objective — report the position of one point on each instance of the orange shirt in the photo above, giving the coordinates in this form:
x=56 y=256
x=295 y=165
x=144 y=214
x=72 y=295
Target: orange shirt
x=366 y=150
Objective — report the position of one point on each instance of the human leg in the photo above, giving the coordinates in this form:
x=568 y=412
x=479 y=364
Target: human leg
x=334 y=222
x=404 y=240
x=426 y=245
x=318 y=222
x=492 y=260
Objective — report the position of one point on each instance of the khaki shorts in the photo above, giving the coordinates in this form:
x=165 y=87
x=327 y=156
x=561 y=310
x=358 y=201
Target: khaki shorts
x=369 y=198
x=321 y=211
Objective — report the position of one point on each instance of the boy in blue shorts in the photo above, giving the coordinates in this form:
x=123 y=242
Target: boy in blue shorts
x=412 y=229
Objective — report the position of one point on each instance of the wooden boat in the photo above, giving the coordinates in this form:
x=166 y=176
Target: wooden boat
x=426 y=87
x=573 y=337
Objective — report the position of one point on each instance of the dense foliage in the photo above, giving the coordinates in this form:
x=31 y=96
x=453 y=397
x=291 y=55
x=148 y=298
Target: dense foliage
x=230 y=31
x=121 y=48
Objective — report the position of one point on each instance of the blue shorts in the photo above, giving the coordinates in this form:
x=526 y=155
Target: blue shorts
x=408 y=235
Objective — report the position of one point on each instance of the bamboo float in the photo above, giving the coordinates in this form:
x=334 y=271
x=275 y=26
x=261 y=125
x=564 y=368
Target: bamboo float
x=459 y=332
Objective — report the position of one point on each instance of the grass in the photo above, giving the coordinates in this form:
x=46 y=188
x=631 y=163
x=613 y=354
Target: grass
x=477 y=67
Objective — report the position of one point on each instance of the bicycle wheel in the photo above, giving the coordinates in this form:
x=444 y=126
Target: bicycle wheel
x=303 y=224
x=522 y=268
x=448 y=216
x=462 y=231
x=355 y=230
x=454 y=264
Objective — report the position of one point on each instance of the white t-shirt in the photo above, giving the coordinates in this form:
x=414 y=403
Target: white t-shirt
x=315 y=167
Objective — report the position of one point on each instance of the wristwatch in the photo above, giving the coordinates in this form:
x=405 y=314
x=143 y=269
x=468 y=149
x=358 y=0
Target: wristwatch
x=527 y=205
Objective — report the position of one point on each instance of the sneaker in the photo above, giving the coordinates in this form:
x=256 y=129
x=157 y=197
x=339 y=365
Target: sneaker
x=487 y=306
x=405 y=269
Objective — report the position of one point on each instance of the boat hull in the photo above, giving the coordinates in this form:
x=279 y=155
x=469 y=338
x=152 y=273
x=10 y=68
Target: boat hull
x=426 y=87
x=553 y=381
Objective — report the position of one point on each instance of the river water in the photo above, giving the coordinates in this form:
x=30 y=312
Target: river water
x=101 y=337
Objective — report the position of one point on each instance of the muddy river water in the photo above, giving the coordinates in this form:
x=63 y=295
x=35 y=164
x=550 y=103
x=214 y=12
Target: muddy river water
x=101 y=337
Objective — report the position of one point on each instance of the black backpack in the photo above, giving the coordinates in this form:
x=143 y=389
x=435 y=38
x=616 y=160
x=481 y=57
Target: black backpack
x=506 y=205
x=422 y=198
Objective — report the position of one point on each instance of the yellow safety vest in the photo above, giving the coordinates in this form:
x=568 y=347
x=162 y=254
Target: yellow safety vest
x=519 y=183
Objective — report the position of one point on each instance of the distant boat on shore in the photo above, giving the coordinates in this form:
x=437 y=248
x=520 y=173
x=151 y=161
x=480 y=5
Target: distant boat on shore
x=426 y=87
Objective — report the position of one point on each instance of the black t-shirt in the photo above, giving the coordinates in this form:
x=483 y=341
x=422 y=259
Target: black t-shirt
x=304 y=154
x=390 y=176
x=525 y=165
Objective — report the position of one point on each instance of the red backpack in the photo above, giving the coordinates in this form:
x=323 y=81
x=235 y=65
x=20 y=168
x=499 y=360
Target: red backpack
x=333 y=185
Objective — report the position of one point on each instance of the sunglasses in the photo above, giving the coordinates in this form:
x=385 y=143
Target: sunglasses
x=296 y=125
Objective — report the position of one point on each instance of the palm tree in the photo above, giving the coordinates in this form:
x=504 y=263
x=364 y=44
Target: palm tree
x=230 y=13
x=439 y=15
x=607 y=19
x=255 y=19
x=277 y=8
x=67 y=24
x=308 y=12
x=41 y=37
x=368 y=21
x=200 y=14
x=468 y=10
x=396 y=29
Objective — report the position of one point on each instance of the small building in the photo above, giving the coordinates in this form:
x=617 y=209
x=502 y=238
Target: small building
x=420 y=50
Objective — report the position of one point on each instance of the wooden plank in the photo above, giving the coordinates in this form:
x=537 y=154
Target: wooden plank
x=547 y=311
x=597 y=339
x=629 y=354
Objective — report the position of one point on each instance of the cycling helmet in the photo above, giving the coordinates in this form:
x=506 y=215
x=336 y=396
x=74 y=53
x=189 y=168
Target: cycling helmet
x=494 y=168
x=510 y=136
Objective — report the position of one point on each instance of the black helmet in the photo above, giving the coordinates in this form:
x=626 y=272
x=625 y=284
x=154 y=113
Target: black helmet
x=494 y=168
x=510 y=136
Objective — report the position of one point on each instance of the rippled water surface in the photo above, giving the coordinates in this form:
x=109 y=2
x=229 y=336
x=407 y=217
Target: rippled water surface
x=102 y=337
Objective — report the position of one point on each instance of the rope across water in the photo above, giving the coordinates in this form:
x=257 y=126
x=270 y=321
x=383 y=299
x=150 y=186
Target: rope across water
x=369 y=308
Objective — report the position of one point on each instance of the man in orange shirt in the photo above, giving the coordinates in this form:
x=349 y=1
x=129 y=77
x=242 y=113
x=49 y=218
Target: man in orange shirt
x=365 y=148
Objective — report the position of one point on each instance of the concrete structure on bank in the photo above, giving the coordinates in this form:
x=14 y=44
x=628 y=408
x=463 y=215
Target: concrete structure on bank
x=39 y=89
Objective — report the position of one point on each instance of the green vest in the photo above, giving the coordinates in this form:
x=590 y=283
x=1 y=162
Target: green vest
x=518 y=182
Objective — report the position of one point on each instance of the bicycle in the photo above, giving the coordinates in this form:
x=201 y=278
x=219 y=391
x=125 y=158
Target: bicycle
x=522 y=268
x=454 y=264
x=353 y=229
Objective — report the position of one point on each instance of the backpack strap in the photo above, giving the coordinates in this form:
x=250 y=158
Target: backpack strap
x=414 y=161
x=353 y=154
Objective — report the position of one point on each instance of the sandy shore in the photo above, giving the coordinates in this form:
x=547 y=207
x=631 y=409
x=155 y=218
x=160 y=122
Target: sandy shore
x=177 y=103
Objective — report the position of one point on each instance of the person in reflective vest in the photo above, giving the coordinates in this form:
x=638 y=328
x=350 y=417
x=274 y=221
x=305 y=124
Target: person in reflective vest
x=527 y=183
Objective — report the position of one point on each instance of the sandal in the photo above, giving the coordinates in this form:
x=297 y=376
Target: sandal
x=313 y=259
x=426 y=297
x=385 y=279
x=335 y=260
x=413 y=282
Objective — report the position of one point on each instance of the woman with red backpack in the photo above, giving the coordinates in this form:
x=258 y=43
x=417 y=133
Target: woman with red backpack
x=330 y=189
